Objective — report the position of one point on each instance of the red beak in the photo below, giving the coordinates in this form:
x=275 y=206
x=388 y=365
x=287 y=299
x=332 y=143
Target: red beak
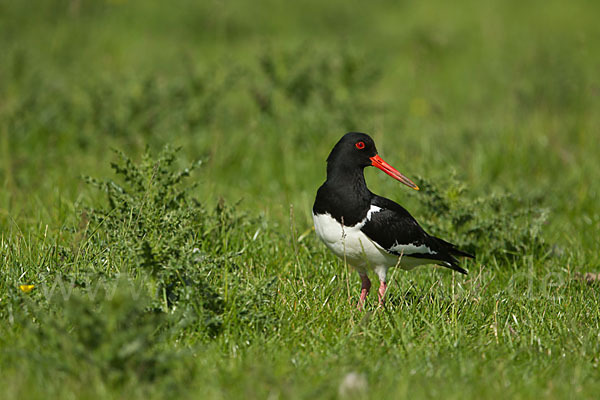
x=391 y=171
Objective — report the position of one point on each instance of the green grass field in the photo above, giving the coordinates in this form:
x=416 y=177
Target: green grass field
x=158 y=164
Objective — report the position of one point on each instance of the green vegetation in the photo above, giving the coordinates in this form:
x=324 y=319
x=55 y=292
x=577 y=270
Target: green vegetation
x=182 y=264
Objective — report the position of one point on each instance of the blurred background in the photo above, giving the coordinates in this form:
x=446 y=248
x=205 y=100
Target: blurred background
x=490 y=106
x=503 y=95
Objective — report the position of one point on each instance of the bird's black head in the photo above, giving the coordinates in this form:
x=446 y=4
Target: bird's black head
x=354 y=152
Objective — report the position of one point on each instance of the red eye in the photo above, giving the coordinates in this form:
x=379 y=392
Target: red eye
x=360 y=145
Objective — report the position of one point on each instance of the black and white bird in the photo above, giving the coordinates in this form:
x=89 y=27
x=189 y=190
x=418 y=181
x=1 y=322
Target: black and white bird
x=371 y=232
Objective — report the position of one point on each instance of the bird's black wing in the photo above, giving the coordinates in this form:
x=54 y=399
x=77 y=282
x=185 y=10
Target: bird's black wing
x=394 y=229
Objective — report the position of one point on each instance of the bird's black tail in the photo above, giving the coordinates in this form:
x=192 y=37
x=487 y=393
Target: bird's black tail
x=450 y=252
x=459 y=253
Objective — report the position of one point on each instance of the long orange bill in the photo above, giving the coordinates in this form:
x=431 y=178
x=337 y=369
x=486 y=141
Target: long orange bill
x=391 y=171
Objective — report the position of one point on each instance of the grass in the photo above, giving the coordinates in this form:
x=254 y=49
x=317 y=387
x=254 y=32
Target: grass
x=157 y=275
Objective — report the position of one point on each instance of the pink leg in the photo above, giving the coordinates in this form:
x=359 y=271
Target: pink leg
x=364 y=290
x=382 y=290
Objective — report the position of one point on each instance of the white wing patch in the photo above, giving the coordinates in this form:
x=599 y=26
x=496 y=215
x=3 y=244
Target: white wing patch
x=371 y=211
x=410 y=248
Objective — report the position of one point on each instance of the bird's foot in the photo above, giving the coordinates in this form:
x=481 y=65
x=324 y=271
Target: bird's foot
x=363 y=297
x=364 y=291
x=381 y=293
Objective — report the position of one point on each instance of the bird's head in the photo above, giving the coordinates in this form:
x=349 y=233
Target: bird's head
x=357 y=150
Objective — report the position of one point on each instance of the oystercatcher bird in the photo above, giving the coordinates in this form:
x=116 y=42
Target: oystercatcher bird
x=371 y=232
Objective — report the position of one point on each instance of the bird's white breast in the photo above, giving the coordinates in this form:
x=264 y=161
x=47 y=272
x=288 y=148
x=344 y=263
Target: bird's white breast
x=351 y=243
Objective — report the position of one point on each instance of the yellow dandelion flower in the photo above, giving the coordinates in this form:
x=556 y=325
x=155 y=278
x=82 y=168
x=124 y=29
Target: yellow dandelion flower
x=26 y=288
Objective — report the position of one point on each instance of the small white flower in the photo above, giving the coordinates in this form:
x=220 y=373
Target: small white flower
x=353 y=385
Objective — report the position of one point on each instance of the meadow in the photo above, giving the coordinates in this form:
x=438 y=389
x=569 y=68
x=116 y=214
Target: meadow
x=158 y=164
